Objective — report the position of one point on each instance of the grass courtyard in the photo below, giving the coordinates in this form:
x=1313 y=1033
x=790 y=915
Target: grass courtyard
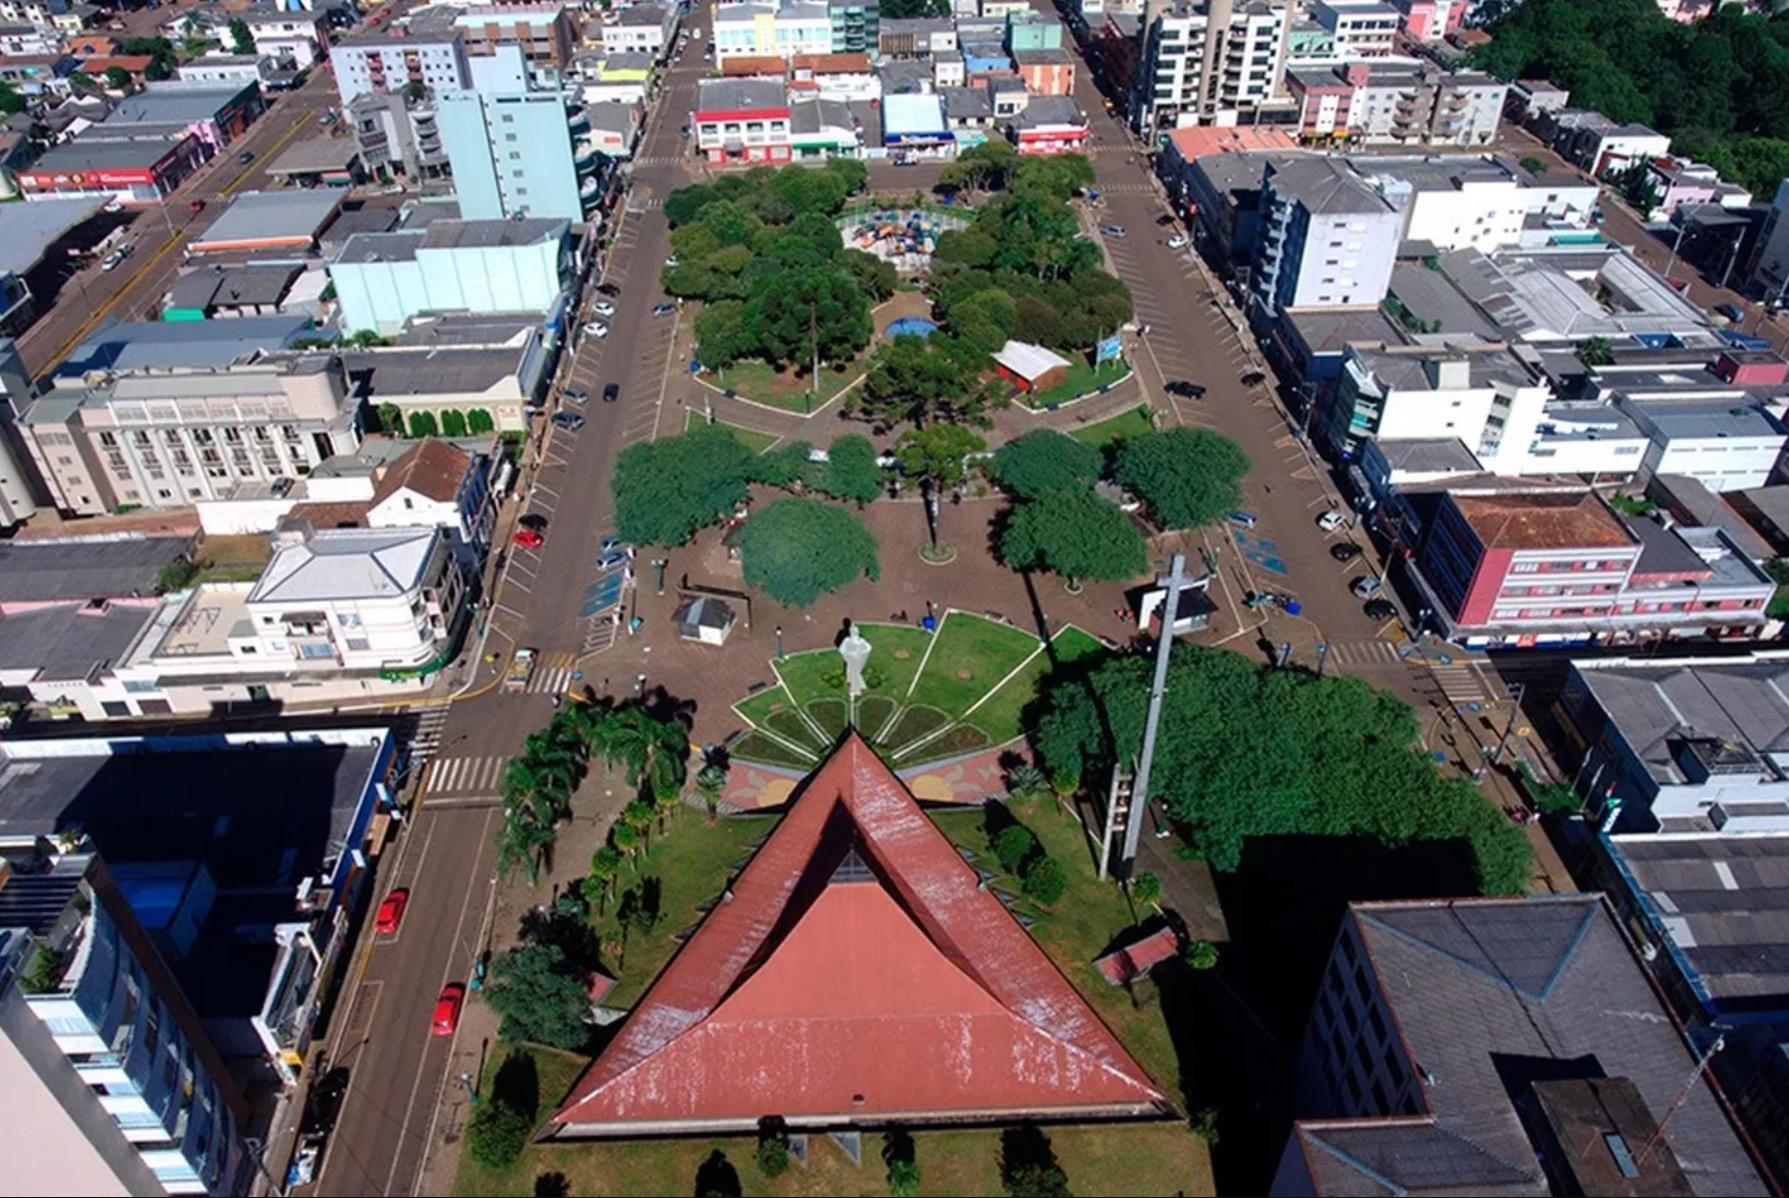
x=1122 y=427
x=1081 y=379
x=926 y=697
x=790 y=389
x=694 y=860
x=753 y=440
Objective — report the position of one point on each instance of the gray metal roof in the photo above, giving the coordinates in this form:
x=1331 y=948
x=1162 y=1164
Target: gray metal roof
x=1655 y=708
x=1326 y=186
x=1429 y=455
x=1675 y=418
x=47 y=571
x=437 y=370
x=336 y=564
x=1662 y=551
x=1702 y=506
x=84 y=155
x=1492 y=996
x=1049 y=110
x=175 y=103
x=140 y=344
x=733 y=95
x=253 y=285
x=264 y=215
x=27 y=230
x=1723 y=900
x=317 y=154
x=69 y=641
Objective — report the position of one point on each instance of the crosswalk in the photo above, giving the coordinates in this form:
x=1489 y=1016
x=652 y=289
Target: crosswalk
x=1462 y=684
x=427 y=737
x=660 y=160
x=464 y=776
x=1363 y=653
x=552 y=674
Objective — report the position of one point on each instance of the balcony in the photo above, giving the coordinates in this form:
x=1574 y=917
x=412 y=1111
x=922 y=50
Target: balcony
x=586 y=156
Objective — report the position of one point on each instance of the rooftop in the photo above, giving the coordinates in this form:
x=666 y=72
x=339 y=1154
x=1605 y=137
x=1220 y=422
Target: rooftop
x=1049 y=110
x=1698 y=505
x=1724 y=902
x=1200 y=141
x=83 y=155
x=259 y=217
x=746 y=66
x=860 y=935
x=1659 y=710
x=251 y=285
x=146 y=344
x=432 y=468
x=1428 y=455
x=1326 y=186
x=1029 y=361
x=175 y=102
x=446 y=369
x=906 y=115
x=740 y=95
x=66 y=642
x=344 y=564
x=49 y=571
x=1329 y=330
x=27 y=230
x=316 y=155
x=1691 y=419
x=1542 y=520
x=1571 y=293
x=1542 y=979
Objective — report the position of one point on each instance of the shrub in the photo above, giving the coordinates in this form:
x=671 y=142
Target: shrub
x=1202 y=954
x=496 y=1134
x=773 y=1155
x=479 y=421
x=903 y=1178
x=422 y=424
x=1016 y=846
x=1046 y=880
x=453 y=423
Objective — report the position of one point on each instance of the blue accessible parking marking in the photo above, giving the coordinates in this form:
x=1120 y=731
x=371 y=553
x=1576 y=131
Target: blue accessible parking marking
x=1261 y=551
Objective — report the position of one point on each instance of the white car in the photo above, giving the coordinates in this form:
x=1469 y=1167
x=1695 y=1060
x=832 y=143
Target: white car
x=671 y=262
x=603 y=308
x=1331 y=520
x=1177 y=242
x=597 y=329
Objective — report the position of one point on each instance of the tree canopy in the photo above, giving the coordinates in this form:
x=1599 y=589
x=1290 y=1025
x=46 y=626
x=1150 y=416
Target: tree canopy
x=924 y=380
x=539 y=997
x=666 y=490
x=938 y=453
x=850 y=471
x=1186 y=476
x=1074 y=533
x=1044 y=460
x=1719 y=86
x=1249 y=751
x=242 y=38
x=799 y=549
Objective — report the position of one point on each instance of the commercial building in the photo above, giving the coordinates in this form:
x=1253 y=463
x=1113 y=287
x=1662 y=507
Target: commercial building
x=1046 y=72
x=1572 y=293
x=845 y=78
x=946 y=992
x=113 y=1084
x=1361 y=28
x=1050 y=125
x=742 y=120
x=319 y=162
x=378 y=65
x=396 y=134
x=1324 y=238
x=1378 y=104
x=1486 y=203
x=1466 y=1047
x=214 y=116
x=513 y=155
x=135 y=171
x=1214 y=176
x=649 y=29
x=252 y=917
x=28 y=232
x=169 y=436
x=384 y=279
x=1596 y=144
x=1208 y=62
x=915 y=37
x=229 y=292
x=489 y=386
x=760 y=27
x=290 y=221
x=914 y=126
x=543 y=31
x=823 y=129
x=1558 y=566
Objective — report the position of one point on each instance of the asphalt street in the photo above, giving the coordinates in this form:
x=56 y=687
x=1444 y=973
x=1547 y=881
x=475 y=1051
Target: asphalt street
x=399 y=1071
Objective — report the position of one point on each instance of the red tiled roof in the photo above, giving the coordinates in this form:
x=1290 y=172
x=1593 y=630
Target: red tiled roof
x=856 y=972
x=1133 y=959
x=131 y=64
x=433 y=469
x=331 y=513
x=749 y=65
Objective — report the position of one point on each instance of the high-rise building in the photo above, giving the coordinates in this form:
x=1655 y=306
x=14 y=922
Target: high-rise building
x=855 y=24
x=436 y=61
x=514 y=154
x=1326 y=239
x=1206 y=62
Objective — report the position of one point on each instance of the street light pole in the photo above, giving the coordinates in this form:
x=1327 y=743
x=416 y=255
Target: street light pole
x=1175 y=582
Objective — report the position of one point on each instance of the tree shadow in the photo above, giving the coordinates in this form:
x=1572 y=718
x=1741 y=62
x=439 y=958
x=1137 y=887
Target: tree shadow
x=552 y=1185
x=661 y=704
x=571 y=934
x=517 y=1083
x=1026 y=1156
x=1236 y=1028
x=717 y=1178
x=898 y=1145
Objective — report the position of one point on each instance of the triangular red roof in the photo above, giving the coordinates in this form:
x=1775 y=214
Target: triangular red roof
x=856 y=972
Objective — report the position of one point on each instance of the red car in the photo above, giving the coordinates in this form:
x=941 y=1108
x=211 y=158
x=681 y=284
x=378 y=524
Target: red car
x=195 y=206
x=447 y=1009
x=391 y=911
x=529 y=538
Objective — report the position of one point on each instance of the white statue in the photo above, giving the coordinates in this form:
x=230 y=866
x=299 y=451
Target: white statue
x=855 y=650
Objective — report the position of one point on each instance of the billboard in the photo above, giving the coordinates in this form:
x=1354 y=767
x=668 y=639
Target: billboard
x=1109 y=349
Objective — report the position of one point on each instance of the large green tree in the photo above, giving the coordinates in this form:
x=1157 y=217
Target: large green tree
x=1247 y=751
x=242 y=38
x=540 y=996
x=929 y=380
x=1186 y=477
x=799 y=549
x=1044 y=460
x=808 y=315
x=1074 y=533
x=850 y=472
x=938 y=456
x=666 y=490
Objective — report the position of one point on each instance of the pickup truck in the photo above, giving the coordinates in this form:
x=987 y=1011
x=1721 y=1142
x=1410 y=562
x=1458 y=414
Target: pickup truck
x=521 y=667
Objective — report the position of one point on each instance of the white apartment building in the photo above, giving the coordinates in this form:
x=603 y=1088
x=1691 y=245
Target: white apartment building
x=391 y=64
x=760 y=28
x=641 y=29
x=42 y=13
x=1326 y=238
x=300 y=36
x=1362 y=28
x=1205 y=63
x=167 y=438
x=1483 y=203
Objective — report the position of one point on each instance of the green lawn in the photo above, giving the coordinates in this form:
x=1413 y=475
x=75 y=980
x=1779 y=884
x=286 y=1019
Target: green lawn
x=786 y=389
x=755 y=746
x=1122 y=1159
x=555 y=1072
x=1081 y=379
x=972 y=655
x=1134 y=423
x=998 y=715
x=753 y=440
x=757 y=708
x=873 y=712
x=692 y=860
x=895 y=653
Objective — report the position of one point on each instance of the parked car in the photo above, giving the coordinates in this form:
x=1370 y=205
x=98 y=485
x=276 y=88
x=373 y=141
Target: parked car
x=529 y=538
x=1241 y=519
x=1331 y=520
x=1732 y=312
x=609 y=289
x=613 y=560
x=324 y=1104
x=533 y=520
x=576 y=395
x=603 y=308
x=570 y=421
x=1184 y=389
x=597 y=329
x=1112 y=230
x=195 y=205
x=1379 y=609
x=245 y=157
x=116 y=258
x=391 y=911
x=1178 y=242
x=663 y=309
x=447 y=1009
x=1347 y=551
x=615 y=545
x=611 y=392
x=1365 y=587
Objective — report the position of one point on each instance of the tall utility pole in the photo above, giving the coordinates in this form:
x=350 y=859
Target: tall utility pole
x=1175 y=582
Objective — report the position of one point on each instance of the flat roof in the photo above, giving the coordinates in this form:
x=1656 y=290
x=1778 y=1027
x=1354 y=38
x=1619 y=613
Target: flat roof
x=141 y=344
x=48 y=571
x=1656 y=708
x=1200 y=141
x=317 y=154
x=65 y=642
x=1692 y=419
x=83 y=155
x=27 y=230
x=1330 y=330
x=339 y=564
x=907 y=114
x=1542 y=520
x=1427 y=294
x=740 y=95
x=272 y=216
x=1702 y=506
x=435 y=370
x=1428 y=455
x=255 y=284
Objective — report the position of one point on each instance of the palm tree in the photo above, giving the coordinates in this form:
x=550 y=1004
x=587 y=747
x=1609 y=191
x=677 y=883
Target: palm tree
x=1026 y=782
x=522 y=841
x=653 y=753
x=638 y=816
x=710 y=781
x=605 y=867
x=626 y=839
x=538 y=789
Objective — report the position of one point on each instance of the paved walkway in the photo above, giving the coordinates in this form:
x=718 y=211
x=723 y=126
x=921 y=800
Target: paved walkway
x=969 y=780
